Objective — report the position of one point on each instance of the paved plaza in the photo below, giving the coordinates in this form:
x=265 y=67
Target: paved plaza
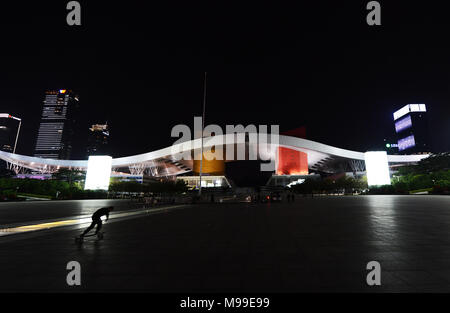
x=320 y=244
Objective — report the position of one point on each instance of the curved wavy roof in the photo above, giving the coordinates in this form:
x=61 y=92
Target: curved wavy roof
x=167 y=157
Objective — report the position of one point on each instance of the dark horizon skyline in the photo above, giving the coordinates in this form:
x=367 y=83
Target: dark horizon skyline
x=142 y=70
x=82 y=131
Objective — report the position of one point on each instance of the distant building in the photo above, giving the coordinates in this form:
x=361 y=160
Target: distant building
x=411 y=127
x=98 y=140
x=208 y=181
x=56 y=130
x=9 y=128
x=126 y=177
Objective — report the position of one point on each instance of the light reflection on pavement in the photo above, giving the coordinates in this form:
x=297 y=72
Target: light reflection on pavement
x=42 y=225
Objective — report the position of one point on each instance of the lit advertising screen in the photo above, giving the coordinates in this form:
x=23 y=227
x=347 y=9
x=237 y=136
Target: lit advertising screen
x=406 y=143
x=377 y=168
x=98 y=172
x=403 y=124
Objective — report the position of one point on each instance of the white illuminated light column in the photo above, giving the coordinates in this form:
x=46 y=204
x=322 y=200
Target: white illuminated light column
x=98 y=172
x=377 y=168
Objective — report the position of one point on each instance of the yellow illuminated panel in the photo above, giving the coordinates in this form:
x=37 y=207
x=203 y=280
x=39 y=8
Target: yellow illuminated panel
x=211 y=166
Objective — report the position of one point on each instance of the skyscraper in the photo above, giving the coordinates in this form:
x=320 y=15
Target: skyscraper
x=9 y=131
x=98 y=140
x=411 y=127
x=56 y=129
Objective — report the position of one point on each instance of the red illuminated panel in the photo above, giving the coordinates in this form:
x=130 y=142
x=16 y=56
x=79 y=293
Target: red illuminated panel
x=292 y=162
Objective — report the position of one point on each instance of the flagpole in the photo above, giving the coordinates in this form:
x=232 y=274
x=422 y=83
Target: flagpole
x=203 y=127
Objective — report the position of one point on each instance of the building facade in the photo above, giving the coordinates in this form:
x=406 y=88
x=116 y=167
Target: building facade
x=8 y=133
x=56 y=130
x=98 y=140
x=165 y=162
x=411 y=127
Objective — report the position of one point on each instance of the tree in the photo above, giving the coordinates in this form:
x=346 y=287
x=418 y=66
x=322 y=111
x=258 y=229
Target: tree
x=7 y=173
x=126 y=186
x=70 y=176
x=178 y=186
x=435 y=162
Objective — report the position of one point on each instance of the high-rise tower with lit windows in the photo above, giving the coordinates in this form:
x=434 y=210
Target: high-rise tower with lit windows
x=411 y=127
x=56 y=130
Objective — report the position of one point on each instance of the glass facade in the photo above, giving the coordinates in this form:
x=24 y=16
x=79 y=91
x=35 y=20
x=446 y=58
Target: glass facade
x=411 y=127
x=54 y=139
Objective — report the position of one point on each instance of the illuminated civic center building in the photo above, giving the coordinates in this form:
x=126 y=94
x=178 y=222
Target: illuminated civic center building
x=293 y=157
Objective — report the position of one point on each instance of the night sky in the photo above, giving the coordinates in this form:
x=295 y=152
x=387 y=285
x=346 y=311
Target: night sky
x=141 y=68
